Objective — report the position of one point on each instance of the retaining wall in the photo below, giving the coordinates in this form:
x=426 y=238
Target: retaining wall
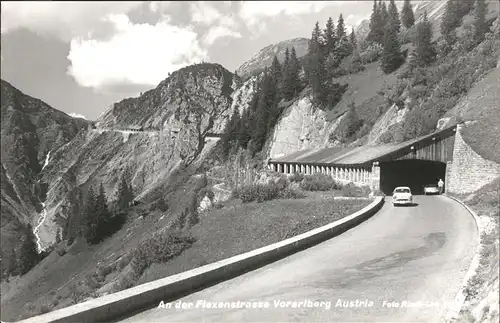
x=469 y=171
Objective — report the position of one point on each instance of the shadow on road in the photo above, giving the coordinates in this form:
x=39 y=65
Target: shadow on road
x=407 y=205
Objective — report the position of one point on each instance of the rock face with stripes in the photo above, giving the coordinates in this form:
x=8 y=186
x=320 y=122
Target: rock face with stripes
x=143 y=138
x=31 y=130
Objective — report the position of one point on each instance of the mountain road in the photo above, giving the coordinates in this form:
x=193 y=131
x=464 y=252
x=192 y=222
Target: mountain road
x=404 y=264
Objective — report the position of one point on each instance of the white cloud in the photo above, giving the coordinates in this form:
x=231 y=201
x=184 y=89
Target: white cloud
x=63 y=19
x=153 y=6
x=203 y=12
x=77 y=115
x=218 y=32
x=137 y=54
x=253 y=11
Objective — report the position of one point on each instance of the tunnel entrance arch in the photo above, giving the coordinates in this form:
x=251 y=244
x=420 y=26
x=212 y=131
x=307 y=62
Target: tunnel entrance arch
x=413 y=173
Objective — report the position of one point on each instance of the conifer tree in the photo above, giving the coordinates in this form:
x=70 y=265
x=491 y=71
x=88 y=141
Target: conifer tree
x=231 y=137
x=394 y=16
x=407 y=16
x=373 y=21
x=450 y=21
x=383 y=12
x=316 y=76
x=275 y=95
x=424 y=52
x=480 y=27
x=262 y=112
x=286 y=61
x=353 y=43
x=285 y=72
x=124 y=196
x=392 y=57
x=349 y=125
x=329 y=36
x=235 y=126
x=225 y=140
x=376 y=33
x=315 y=64
x=28 y=255
x=90 y=216
x=75 y=225
x=464 y=7
x=342 y=49
x=294 y=73
x=341 y=33
x=246 y=124
x=276 y=71
x=315 y=42
x=103 y=216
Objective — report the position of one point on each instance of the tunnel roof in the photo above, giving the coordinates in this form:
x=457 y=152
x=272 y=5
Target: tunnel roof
x=354 y=155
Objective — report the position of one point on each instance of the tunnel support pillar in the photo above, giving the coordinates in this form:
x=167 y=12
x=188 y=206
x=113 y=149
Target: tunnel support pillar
x=375 y=180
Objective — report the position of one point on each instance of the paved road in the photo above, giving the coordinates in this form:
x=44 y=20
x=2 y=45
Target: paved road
x=415 y=254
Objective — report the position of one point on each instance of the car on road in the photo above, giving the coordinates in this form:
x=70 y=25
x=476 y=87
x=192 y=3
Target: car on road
x=402 y=195
x=431 y=189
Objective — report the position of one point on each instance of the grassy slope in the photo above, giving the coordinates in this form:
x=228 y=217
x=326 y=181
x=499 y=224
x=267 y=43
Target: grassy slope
x=364 y=88
x=482 y=105
x=235 y=229
x=221 y=233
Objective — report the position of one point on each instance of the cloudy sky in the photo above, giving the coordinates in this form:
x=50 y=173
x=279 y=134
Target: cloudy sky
x=80 y=57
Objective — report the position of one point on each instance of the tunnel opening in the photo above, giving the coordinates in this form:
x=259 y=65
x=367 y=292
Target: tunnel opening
x=412 y=173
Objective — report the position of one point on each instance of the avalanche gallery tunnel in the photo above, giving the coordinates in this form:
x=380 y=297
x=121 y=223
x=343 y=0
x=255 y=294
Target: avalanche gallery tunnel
x=413 y=173
x=413 y=163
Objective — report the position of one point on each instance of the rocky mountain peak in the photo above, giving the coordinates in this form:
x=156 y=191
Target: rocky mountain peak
x=187 y=91
x=145 y=139
x=265 y=56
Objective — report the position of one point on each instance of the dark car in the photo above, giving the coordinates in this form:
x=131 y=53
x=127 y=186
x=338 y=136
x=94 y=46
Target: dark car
x=431 y=189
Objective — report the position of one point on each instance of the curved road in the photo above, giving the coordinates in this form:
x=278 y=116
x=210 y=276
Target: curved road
x=414 y=254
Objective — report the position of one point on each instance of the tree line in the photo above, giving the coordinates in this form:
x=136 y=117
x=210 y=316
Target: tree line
x=279 y=82
x=90 y=215
x=328 y=48
x=386 y=25
x=20 y=261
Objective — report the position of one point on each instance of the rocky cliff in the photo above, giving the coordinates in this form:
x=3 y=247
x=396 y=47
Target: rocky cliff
x=173 y=120
x=265 y=56
x=301 y=127
x=31 y=131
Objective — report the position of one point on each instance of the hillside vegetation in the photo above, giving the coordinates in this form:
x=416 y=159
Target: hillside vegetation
x=401 y=67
